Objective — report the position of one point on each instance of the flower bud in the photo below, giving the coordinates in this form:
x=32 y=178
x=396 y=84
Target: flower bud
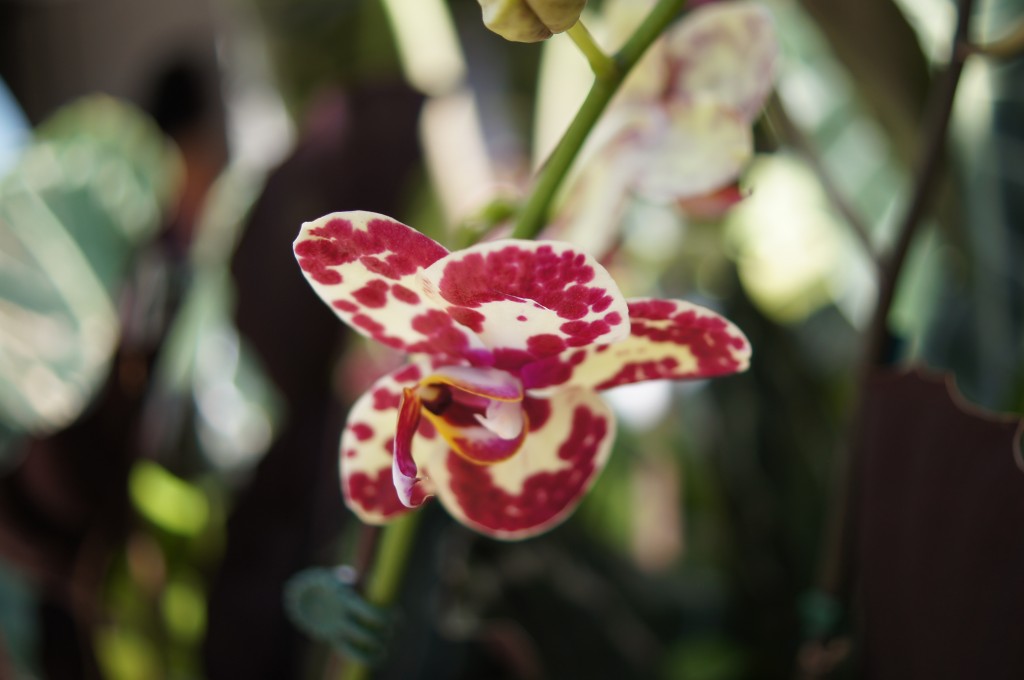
x=530 y=20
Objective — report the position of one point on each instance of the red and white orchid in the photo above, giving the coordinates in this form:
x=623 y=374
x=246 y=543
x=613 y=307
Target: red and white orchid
x=679 y=132
x=497 y=411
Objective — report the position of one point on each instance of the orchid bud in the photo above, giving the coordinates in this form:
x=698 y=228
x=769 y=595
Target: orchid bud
x=530 y=20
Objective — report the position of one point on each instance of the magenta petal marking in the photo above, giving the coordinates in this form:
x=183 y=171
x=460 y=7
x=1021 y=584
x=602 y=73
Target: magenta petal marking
x=343 y=238
x=552 y=371
x=367 y=267
x=528 y=299
x=670 y=339
x=373 y=493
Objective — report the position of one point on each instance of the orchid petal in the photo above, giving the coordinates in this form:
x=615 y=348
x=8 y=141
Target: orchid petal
x=569 y=442
x=685 y=150
x=366 y=266
x=669 y=339
x=528 y=299
x=367 y=444
x=726 y=51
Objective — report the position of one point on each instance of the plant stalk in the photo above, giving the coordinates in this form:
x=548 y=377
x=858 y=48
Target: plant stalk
x=534 y=213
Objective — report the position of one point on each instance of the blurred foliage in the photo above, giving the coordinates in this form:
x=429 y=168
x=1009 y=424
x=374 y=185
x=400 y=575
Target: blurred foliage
x=156 y=590
x=316 y=42
x=208 y=383
x=977 y=328
x=82 y=199
x=210 y=412
x=19 y=622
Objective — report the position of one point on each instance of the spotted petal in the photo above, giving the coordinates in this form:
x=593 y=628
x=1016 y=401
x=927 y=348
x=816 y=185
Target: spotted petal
x=366 y=266
x=726 y=51
x=669 y=339
x=685 y=150
x=528 y=299
x=569 y=441
x=367 y=445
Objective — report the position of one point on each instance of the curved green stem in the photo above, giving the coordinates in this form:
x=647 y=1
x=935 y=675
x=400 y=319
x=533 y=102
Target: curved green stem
x=534 y=213
x=601 y=64
x=392 y=559
x=385 y=580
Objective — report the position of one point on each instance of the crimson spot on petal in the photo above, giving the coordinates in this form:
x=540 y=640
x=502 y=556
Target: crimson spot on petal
x=374 y=494
x=362 y=431
x=410 y=373
x=545 y=345
x=470 y=318
x=384 y=399
x=373 y=294
x=404 y=294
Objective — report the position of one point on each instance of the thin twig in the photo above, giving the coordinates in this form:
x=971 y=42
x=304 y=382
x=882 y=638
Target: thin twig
x=940 y=109
x=838 y=569
x=601 y=64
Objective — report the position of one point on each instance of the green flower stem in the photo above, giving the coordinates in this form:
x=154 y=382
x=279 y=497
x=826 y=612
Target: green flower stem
x=385 y=580
x=600 y=63
x=533 y=216
x=392 y=558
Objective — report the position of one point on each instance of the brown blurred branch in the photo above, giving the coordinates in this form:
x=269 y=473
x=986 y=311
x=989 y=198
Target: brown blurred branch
x=940 y=109
x=843 y=535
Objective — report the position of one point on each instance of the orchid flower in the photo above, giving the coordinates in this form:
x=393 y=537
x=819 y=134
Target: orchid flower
x=680 y=132
x=496 y=412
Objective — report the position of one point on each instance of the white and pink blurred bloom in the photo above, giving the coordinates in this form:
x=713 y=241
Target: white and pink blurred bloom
x=497 y=412
x=679 y=133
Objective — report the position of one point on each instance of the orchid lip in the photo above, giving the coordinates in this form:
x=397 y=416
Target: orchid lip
x=481 y=429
